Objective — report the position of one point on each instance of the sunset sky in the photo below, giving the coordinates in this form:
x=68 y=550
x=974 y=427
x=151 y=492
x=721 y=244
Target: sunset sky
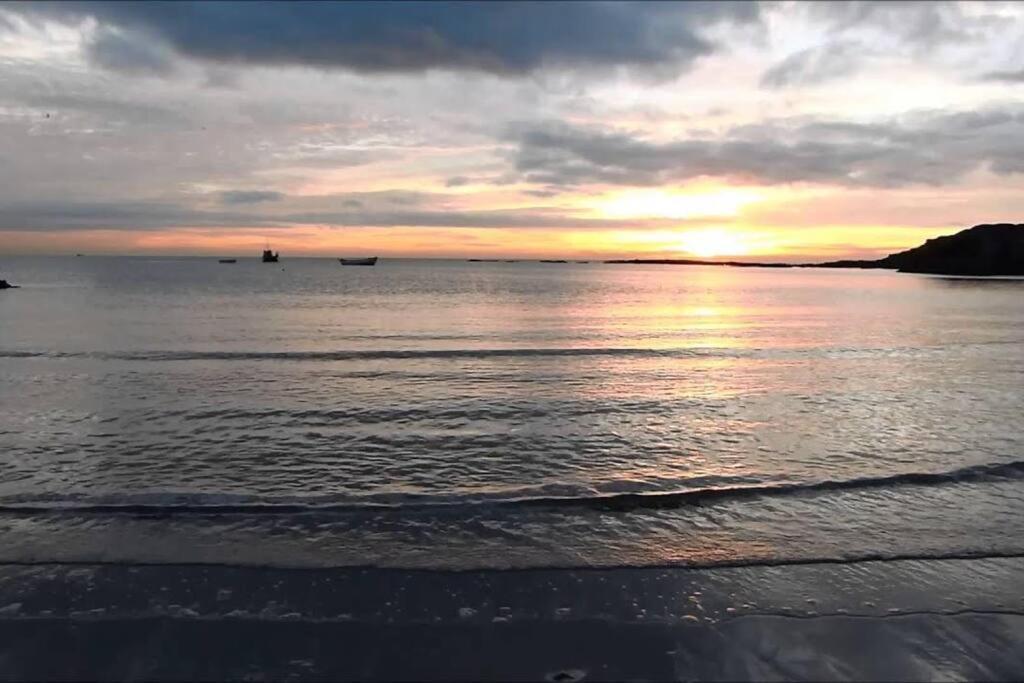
x=757 y=131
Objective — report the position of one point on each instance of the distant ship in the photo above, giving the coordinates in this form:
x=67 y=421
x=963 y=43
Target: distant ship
x=269 y=256
x=231 y=260
x=370 y=261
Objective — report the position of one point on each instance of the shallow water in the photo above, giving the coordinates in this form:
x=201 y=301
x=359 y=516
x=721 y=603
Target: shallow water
x=427 y=414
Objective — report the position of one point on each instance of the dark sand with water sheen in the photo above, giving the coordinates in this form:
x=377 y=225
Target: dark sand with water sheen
x=901 y=620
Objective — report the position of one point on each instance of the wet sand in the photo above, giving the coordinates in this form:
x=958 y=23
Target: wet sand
x=908 y=619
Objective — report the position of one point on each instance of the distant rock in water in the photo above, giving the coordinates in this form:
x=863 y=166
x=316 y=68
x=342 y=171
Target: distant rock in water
x=4 y=284
x=996 y=249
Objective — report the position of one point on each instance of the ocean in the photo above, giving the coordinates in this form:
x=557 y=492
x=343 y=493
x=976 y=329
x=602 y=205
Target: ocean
x=427 y=418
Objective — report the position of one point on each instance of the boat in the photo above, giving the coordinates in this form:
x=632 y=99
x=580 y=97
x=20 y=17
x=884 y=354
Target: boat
x=228 y=260
x=269 y=256
x=369 y=261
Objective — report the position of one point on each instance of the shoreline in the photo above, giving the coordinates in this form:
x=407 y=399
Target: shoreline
x=920 y=619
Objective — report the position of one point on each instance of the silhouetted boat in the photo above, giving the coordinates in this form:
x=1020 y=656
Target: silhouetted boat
x=228 y=260
x=269 y=256
x=370 y=261
x=4 y=284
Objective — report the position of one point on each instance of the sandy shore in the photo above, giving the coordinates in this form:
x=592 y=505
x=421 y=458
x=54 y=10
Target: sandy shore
x=948 y=619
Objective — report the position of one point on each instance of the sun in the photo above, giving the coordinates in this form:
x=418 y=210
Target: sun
x=712 y=242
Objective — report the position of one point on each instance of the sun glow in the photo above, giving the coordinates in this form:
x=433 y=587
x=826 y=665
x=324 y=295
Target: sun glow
x=713 y=242
x=716 y=203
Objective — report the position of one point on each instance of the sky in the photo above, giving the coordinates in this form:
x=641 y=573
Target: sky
x=755 y=131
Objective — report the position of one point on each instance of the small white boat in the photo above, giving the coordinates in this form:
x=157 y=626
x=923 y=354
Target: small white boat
x=369 y=261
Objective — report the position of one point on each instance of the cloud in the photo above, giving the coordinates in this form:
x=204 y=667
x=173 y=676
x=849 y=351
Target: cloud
x=141 y=215
x=924 y=25
x=250 y=196
x=496 y=37
x=925 y=148
x=74 y=215
x=129 y=53
x=815 y=65
x=1005 y=76
x=87 y=144
x=221 y=77
x=104 y=110
x=518 y=218
x=852 y=34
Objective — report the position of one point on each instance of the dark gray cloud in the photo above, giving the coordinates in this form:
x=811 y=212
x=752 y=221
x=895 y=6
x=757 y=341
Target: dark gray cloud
x=496 y=37
x=1006 y=76
x=221 y=77
x=457 y=181
x=60 y=216
x=250 y=196
x=518 y=218
x=924 y=148
x=397 y=197
x=543 y=194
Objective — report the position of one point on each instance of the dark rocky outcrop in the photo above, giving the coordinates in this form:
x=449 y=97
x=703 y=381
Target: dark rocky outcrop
x=4 y=284
x=846 y=263
x=996 y=249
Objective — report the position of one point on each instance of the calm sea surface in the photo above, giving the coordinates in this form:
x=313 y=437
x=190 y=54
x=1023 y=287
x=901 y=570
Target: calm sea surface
x=504 y=415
